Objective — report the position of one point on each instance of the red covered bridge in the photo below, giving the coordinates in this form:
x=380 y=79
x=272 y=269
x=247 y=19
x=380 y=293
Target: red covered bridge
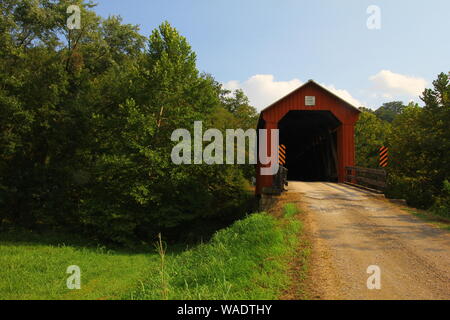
x=317 y=129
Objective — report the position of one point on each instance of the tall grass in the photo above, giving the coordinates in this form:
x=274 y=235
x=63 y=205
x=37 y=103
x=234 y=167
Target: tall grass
x=161 y=249
x=245 y=261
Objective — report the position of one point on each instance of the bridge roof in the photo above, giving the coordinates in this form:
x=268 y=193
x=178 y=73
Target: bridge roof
x=350 y=105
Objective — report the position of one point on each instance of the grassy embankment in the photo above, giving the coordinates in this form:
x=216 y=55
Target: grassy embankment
x=430 y=217
x=249 y=260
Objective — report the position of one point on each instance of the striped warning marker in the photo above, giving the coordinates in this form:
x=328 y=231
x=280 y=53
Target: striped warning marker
x=384 y=155
x=282 y=155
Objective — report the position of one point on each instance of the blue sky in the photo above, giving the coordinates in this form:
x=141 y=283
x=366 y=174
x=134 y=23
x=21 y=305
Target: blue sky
x=269 y=47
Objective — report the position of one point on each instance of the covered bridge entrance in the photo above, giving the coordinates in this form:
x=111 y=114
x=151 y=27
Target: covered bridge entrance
x=317 y=129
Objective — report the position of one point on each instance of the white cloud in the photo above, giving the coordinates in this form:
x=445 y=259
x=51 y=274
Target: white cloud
x=344 y=94
x=263 y=90
x=388 y=84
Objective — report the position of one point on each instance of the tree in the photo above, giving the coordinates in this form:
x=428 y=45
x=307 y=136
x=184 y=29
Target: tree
x=370 y=134
x=85 y=125
x=390 y=110
x=364 y=109
x=420 y=147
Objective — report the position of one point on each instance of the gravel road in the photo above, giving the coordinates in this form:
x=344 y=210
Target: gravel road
x=352 y=229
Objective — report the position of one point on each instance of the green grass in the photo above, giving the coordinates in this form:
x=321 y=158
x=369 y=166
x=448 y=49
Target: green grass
x=437 y=220
x=248 y=260
x=300 y=259
x=245 y=261
x=290 y=210
x=33 y=270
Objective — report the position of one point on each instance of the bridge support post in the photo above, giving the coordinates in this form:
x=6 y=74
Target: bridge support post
x=346 y=149
x=263 y=182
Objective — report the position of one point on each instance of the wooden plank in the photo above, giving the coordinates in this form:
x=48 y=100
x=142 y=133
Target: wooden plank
x=366 y=176
x=368 y=170
x=380 y=184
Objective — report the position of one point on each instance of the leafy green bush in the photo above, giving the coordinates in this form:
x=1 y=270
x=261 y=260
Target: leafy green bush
x=442 y=203
x=415 y=191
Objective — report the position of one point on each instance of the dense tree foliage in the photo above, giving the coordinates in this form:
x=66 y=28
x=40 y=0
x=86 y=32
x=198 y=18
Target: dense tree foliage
x=370 y=134
x=419 y=145
x=86 y=120
x=390 y=110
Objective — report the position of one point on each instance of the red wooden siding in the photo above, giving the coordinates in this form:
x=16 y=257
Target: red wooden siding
x=326 y=101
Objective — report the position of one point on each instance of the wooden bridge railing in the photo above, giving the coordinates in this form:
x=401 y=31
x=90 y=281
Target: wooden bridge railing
x=372 y=178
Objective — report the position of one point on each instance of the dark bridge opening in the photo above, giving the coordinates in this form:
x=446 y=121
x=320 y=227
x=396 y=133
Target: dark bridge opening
x=310 y=138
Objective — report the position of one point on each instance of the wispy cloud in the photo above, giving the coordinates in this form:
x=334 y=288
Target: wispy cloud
x=390 y=85
x=263 y=89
